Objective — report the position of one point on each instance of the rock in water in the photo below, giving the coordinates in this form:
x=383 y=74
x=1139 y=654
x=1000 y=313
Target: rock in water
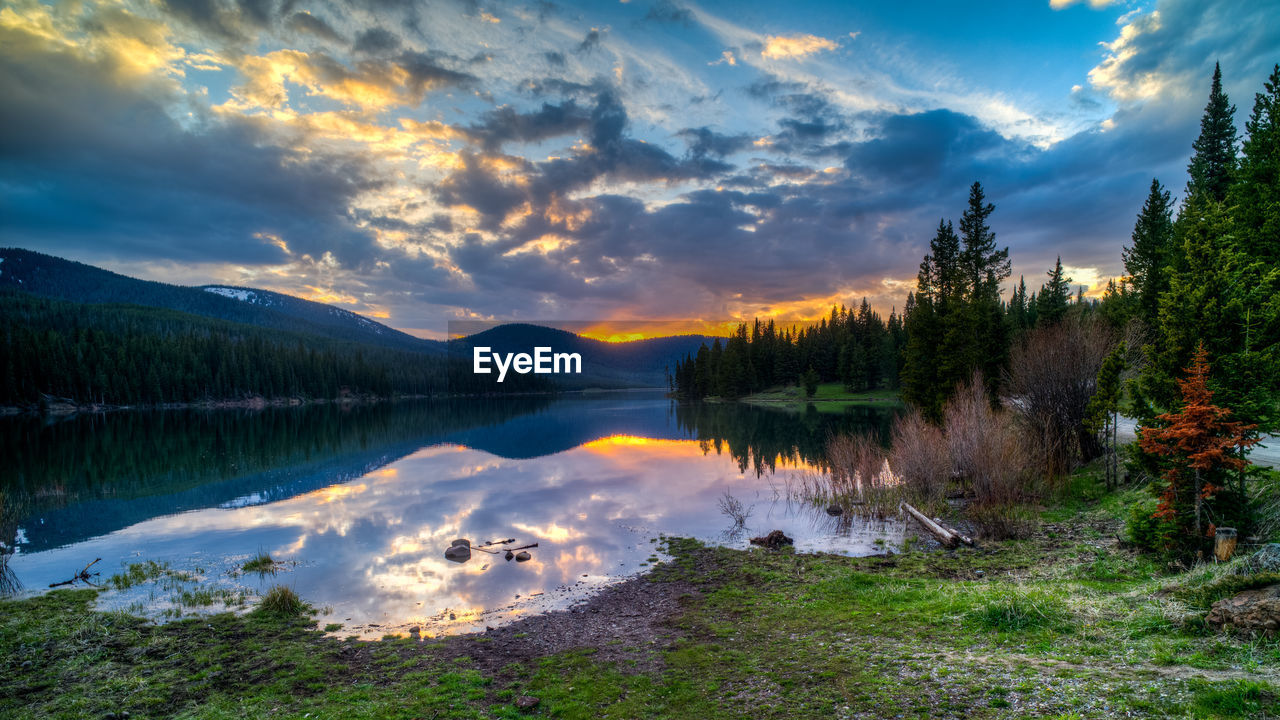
x=510 y=555
x=522 y=556
x=834 y=510
x=460 y=541
x=458 y=553
x=773 y=540
x=1252 y=612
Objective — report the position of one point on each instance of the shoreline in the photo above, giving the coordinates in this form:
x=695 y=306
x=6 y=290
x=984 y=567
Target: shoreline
x=63 y=407
x=1063 y=623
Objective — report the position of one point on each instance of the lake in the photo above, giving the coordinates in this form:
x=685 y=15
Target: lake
x=359 y=503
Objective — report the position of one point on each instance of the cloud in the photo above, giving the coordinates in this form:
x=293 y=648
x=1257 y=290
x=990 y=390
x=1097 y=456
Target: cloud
x=786 y=47
x=1169 y=52
x=377 y=40
x=592 y=41
x=1095 y=4
x=305 y=22
x=505 y=124
x=103 y=169
x=374 y=84
x=667 y=11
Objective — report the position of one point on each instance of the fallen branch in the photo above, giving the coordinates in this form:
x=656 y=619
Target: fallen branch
x=944 y=536
x=83 y=575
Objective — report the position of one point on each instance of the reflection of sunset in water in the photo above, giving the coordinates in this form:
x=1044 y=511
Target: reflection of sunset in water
x=371 y=547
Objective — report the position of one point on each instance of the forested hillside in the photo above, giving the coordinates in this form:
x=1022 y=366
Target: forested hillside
x=127 y=355
x=54 y=277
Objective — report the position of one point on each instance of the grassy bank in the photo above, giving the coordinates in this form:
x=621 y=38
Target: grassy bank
x=830 y=397
x=1067 y=624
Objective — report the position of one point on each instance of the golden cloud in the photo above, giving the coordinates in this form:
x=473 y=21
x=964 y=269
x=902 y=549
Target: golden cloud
x=779 y=47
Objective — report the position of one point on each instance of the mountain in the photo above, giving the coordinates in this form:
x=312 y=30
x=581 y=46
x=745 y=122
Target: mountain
x=638 y=363
x=609 y=365
x=54 y=277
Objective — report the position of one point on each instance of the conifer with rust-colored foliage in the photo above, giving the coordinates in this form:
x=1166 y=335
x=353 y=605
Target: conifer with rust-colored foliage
x=1198 y=446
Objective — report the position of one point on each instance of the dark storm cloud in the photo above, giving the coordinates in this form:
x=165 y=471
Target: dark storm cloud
x=705 y=142
x=104 y=170
x=592 y=41
x=377 y=40
x=813 y=125
x=303 y=22
x=210 y=16
x=427 y=72
x=610 y=154
x=505 y=124
x=930 y=147
x=667 y=11
x=257 y=12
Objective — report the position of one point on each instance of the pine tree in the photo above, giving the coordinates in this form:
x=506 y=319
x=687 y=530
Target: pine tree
x=1255 y=196
x=1214 y=157
x=986 y=267
x=1146 y=260
x=1051 y=304
x=1104 y=408
x=1198 y=445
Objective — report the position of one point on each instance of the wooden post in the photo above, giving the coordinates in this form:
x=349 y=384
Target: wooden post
x=1224 y=543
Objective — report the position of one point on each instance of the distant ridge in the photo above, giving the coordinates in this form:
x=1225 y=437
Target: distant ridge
x=635 y=363
x=49 y=276
x=605 y=364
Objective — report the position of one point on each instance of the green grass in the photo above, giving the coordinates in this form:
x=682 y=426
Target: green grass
x=281 y=601
x=830 y=397
x=262 y=563
x=1062 y=625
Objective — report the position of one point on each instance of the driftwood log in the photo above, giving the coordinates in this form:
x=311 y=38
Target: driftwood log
x=945 y=535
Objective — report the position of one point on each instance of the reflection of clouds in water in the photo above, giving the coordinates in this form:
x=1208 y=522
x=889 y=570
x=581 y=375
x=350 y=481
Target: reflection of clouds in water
x=373 y=548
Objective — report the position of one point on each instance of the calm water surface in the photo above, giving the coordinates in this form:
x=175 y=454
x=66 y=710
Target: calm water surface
x=362 y=502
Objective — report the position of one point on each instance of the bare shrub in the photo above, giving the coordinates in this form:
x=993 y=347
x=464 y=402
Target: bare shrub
x=733 y=508
x=859 y=469
x=989 y=453
x=1052 y=375
x=921 y=460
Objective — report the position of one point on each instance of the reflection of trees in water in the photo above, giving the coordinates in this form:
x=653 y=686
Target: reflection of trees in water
x=127 y=455
x=759 y=438
x=11 y=510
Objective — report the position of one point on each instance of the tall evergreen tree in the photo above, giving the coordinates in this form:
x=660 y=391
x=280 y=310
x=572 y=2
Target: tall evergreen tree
x=1214 y=158
x=1051 y=304
x=1255 y=196
x=1147 y=258
x=986 y=266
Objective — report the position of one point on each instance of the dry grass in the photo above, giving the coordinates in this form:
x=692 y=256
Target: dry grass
x=990 y=454
x=920 y=457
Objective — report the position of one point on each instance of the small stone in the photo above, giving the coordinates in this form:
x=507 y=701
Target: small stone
x=415 y=630
x=510 y=555
x=773 y=540
x=834 y=510
x=522 y=556
x=525 y=702
x=460 y=541
x=458 y=553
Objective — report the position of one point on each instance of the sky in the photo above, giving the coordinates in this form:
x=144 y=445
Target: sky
x=422 y=162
